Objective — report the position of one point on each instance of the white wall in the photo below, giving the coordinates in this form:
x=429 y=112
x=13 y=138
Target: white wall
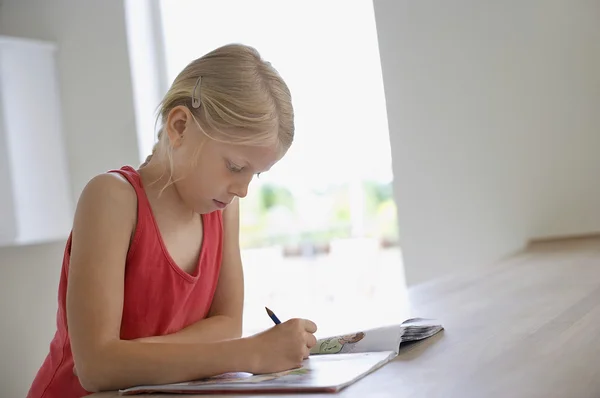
x=98 y=116
x=94 y=77
x=41 y=201
x=492 y=110
x=494 y=119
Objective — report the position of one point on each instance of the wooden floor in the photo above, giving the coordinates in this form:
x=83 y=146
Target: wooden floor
x=528 y=326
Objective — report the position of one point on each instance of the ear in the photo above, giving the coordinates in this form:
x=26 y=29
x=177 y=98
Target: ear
x=177 y=123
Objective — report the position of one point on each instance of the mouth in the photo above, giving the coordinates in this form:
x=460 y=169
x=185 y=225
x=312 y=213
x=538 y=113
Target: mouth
x=219 y=204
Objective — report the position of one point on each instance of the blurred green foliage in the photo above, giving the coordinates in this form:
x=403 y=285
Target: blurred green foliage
x=271 y=215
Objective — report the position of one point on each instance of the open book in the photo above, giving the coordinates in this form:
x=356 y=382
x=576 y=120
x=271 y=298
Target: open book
x=334 y=363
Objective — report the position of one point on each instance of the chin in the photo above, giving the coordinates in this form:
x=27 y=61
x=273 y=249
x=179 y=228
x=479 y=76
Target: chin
x=206 y=207
x=201 y=208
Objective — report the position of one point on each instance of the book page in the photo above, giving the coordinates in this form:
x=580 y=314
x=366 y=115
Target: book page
x=321 y=373
x=385 y=338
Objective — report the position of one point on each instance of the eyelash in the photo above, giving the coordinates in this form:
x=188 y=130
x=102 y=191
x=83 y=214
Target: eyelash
x=236 y=169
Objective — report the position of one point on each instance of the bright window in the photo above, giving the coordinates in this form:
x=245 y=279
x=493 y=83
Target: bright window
x=315 y=229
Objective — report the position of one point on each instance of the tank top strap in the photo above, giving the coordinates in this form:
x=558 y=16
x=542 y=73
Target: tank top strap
x=134 y=179
x=144 y=218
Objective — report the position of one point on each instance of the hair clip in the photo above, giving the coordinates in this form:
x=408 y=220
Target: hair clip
x=196 y=99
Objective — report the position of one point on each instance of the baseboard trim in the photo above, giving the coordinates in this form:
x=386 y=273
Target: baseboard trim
x=559 y=238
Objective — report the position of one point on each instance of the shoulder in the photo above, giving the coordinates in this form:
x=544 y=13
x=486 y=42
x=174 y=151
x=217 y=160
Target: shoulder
x=108 y=193
x=231 y=225
x=231 y=214
x=104 y=222
x=109 y=186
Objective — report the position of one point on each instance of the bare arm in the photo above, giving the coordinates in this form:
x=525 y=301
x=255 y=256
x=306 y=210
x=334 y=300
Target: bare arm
x=224 y=320
x=102 y=229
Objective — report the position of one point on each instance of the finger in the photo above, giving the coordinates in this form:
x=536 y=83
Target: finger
x=310 y=326
x=311 y=340
x=305 y=353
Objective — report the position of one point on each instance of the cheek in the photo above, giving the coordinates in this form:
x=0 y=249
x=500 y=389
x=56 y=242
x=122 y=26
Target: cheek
x=205 y=183
x=181 y=164
x=185 y=177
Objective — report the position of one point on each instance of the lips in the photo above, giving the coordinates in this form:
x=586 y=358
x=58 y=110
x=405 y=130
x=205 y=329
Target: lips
x=219 y=204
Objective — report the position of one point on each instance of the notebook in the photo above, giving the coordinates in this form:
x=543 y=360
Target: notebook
x=334 y=363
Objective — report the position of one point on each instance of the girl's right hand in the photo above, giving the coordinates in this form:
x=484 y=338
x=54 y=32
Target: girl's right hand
x=282 y=347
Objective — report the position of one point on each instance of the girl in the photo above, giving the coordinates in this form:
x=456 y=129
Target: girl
x=151 y=288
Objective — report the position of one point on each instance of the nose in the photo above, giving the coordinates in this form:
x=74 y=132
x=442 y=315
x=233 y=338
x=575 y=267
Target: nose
x=239 y=189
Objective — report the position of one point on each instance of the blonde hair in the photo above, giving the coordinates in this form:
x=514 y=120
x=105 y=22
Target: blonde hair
x=242 y=100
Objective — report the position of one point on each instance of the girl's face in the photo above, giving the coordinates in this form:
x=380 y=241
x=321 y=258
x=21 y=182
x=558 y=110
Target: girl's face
x=210 y=174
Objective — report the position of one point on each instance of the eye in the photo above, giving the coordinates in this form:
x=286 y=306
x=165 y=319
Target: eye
x=234 y=168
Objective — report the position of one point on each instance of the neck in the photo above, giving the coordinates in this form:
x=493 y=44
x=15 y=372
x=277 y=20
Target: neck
x=160 y=189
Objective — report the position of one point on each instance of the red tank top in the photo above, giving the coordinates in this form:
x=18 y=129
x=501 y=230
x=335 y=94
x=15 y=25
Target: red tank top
x=159 y=297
